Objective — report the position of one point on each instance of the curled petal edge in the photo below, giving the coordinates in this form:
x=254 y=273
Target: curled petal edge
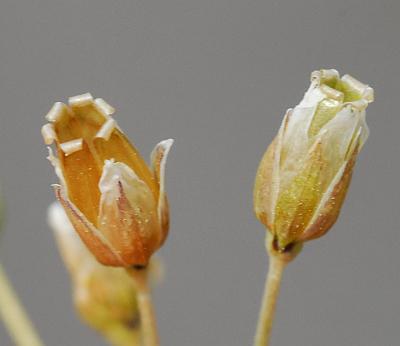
x=266 y=187
x=158 y=161
x=328 y=211
x=128 y=213
x=94 y=240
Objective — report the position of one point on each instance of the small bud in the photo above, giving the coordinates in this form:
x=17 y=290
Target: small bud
x=304 y=175
x=116 y=203
x=105 y=297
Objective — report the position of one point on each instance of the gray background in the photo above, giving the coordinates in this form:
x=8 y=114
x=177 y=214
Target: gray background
x=216 y=75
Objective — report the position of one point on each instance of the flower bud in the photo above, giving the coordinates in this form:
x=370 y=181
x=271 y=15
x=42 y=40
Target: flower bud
x=303 y=178
x=105 y=297
x=116 y=203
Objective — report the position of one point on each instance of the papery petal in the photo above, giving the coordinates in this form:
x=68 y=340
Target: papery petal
x=326 y=110
x=337 y=138
x=158 y=161
x=364 y=130
x=55 y=162
x=266 y=187
x=327 y=212
x=94 y=240
x=298 y=200
x=295 y=141
x=128 y=214
x=262 y=187
x=118 y=148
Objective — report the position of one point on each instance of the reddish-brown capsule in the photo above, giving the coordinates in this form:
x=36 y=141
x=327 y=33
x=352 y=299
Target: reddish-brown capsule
x=116 y=203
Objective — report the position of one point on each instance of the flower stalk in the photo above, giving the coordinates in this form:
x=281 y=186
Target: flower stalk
x=278 y=260
x=14 y=315
x=304 y=175
x=270 y=297
x=145 y=305
x=114 y=200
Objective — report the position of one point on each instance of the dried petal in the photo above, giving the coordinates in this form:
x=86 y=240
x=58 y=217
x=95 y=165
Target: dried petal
x=94 y=240
x=115 y=202
x=128 y=214
x=159 y=160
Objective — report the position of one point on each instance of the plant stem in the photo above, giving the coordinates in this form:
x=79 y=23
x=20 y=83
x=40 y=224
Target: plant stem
x=271 y=292
x=14 y=316
x=147 y=315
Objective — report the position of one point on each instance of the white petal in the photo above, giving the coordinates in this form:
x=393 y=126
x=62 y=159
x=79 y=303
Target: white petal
x=158 y=161
x=119 y=181
x=339 y=133
x=98 y=243
x=277 y=179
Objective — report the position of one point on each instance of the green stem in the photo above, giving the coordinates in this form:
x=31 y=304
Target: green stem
x=271 y=292
x=14 y=316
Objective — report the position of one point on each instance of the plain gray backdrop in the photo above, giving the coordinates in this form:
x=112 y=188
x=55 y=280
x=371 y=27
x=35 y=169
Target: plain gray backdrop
x=216 y=75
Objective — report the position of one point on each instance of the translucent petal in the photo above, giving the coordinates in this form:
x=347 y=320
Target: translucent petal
x=128 y=214
x=298 y=200
x=267 y=183
x=327 y=212
x=92 y=237
x=158 y=160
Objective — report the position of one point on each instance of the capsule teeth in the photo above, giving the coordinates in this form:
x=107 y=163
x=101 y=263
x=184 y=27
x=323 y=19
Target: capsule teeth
x=48 y=133
x=368 y=94
x=55 y=162
x=324 y=76
x=58 y=110
x=71 y=147
x=363 y=89
x=51 y=157
x=80 y=100
x=332 y=93
x=358 y=105
x=107 y=129
x=104 y=107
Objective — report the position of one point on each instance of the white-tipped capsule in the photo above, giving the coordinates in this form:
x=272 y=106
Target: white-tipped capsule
x=104 y=107
x=48 y=133
x=56 y=164
x=332 y=93
x=363 y=89
x=58 y=110
x=326 y=75
x=71 y=147
x=80 y=100
x=107 y=129
x=305 y=173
